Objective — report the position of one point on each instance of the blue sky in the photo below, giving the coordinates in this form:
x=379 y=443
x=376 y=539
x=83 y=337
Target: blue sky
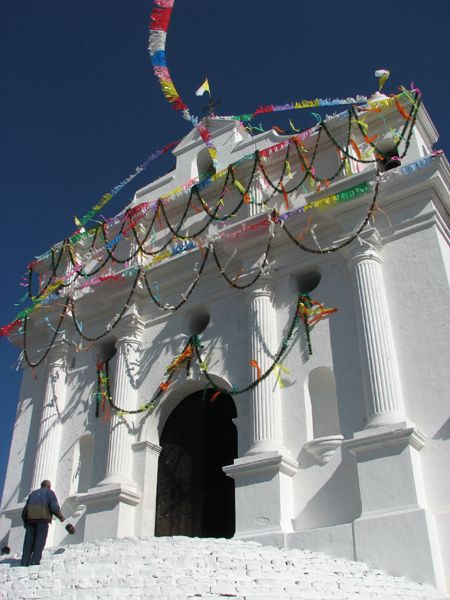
x=80 y=107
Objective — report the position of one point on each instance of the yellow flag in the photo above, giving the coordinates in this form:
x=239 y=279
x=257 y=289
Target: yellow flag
x=203 y=88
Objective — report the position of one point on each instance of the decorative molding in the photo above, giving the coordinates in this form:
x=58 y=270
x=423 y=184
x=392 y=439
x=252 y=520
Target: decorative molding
x=324 y=448
x=367 y=247
x=14 y=512
x=371 y=439
x=117 y=493
x=146 y=446
x=269 y=463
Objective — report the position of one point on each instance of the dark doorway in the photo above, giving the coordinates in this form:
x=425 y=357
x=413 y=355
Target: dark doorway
x=194 y=496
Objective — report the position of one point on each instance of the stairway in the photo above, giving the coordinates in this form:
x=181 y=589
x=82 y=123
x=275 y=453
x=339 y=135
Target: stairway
x=183 y=568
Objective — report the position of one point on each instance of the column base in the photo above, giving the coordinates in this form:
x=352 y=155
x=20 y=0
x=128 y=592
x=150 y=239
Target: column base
x=263 y=495
x=118 y=480
x=110 y=511
x=400 y=434
x=265 y=447
x=386 y=418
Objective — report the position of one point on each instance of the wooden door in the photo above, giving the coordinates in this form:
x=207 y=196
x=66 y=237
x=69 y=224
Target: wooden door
x=194 y=496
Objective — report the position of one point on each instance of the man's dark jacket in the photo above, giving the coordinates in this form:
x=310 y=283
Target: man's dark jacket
x=41 y=506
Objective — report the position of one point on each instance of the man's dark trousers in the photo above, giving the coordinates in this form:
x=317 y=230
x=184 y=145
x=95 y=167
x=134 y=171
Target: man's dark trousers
x=33 y=545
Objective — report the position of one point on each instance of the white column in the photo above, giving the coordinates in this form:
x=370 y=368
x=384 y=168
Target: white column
x=394 y=524
x=120 y=455
x=383 y=394
x=265 y=404
x=49 y=437
x=258 y=192
x=263 y=476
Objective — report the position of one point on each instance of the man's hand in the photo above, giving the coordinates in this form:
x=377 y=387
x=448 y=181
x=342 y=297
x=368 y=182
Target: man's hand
x=61 y=518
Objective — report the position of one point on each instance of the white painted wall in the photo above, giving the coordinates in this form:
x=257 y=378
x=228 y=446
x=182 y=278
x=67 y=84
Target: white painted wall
x=375 y=494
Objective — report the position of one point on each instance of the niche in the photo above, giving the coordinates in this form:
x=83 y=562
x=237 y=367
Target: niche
x=197 y=321
x=324 y=405
x=107 y=350
x=308 y=281
x=323 y=425
x=83 y=461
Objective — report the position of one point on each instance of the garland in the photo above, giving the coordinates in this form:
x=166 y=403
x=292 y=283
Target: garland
x=70 y=304
x=307 y=310
x=133 y=216
x=129 y=220
x=344 y=196
x=273 y=221
x=299 y=104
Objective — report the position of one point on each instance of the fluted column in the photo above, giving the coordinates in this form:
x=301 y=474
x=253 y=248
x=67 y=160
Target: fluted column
x=49 y=436
x=265 y=406
x=383 y=395
x=120 y=455
x=257 y=190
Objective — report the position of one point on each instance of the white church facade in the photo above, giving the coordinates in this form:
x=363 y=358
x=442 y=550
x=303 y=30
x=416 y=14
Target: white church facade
x=214 y=391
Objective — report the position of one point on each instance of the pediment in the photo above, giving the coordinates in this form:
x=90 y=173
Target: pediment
x=215 y=126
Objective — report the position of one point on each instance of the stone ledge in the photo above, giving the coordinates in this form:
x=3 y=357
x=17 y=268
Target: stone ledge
x=384 y=437
x=116 y=493
x=269 y=463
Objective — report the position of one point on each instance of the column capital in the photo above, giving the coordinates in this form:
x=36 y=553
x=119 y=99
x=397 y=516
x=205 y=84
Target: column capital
x=367 y=246
x=264 y=286
x=59 y=353
x=130 y=328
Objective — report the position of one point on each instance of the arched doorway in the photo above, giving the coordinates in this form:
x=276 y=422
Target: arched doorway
x=194 y=496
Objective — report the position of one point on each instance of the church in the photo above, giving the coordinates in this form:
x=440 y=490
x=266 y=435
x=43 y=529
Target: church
x=254 y=348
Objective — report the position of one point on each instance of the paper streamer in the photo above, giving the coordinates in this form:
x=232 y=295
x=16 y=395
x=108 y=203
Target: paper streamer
x=322 y=203
x=159 y=24
x=298 y=105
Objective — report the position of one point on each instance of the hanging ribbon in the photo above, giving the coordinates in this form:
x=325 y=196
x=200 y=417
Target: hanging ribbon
x=278 y=370
x=254 y=363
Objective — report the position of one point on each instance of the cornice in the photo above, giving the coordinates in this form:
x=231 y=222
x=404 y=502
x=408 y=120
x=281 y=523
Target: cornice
x=117 y=493
x=259 y=464
x=397 y=187
x=151 y=187
x=372 y=439
x=146 y=446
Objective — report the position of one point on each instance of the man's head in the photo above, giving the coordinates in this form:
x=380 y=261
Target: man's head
x=46 y=483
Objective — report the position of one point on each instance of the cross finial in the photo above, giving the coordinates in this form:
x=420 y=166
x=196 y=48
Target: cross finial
x=211 y=104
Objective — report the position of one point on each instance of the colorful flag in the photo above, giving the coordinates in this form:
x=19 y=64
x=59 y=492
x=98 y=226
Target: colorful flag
x=383 y=75
x=203 y=88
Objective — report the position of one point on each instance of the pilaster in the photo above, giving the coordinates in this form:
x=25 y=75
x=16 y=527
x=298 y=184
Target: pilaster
x=111 y=506
x=146 y=475
x=263 y=476
x=119 y=464
x=257 y=190
x=50 y=428
x=394 y=516
x=383 y=395
x=265 y=407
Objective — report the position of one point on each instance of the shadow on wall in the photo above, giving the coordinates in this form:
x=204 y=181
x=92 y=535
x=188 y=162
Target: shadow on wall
x=83 y=462
x=34 y=393
x=328 y=485
x=443 y=433
x=334 y=496
x=323 y=404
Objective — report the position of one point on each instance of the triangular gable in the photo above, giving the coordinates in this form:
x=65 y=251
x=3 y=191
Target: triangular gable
x=215 y=126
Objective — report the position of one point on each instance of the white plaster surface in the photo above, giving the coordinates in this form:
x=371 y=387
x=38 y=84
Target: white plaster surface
x=377 y=493
x=180 y=568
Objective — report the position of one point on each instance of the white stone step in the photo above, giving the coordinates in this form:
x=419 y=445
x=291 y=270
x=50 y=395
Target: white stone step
x=184 y=568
